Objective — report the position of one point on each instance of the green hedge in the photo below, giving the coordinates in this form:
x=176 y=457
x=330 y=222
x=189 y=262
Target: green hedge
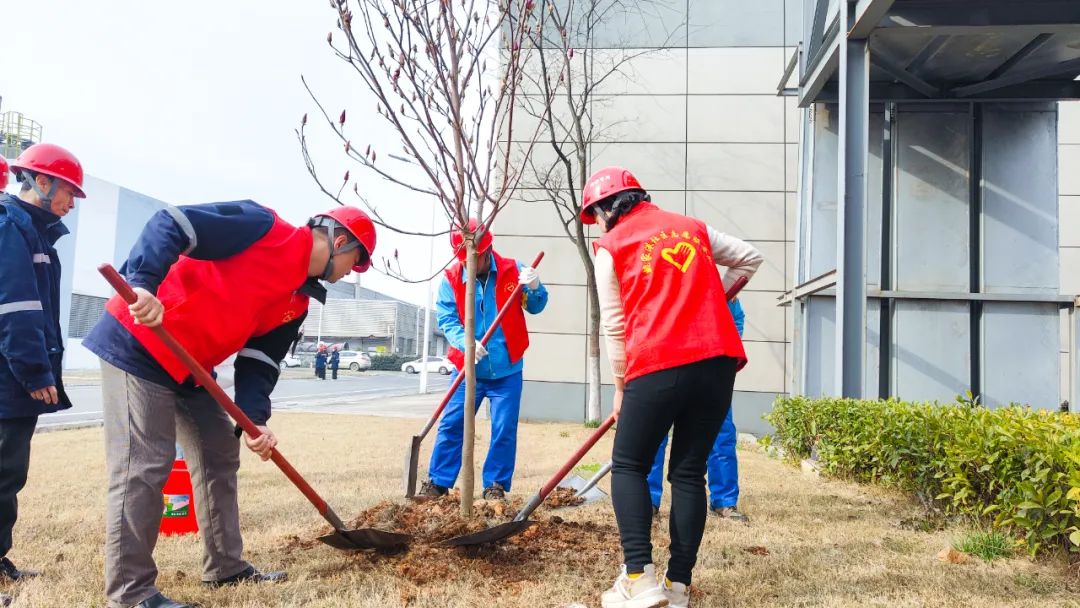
x=1017 y=466
x=390 y=362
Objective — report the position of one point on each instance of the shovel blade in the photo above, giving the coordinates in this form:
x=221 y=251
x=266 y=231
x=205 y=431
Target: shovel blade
x=491 y=535
x=576 y=483
x=412 y=462
x=366 y=538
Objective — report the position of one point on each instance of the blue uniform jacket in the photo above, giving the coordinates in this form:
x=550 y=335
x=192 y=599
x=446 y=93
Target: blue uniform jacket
x=497 y=364
x=31 y=341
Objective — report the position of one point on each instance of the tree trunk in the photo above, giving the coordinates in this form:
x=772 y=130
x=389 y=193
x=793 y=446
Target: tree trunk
x=468 y=477
x=592 y=412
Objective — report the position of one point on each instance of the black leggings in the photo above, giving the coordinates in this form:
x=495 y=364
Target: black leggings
x=694 y=399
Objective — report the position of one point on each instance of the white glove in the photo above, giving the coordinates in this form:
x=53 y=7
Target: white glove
x=481 y=352
x=529 y=277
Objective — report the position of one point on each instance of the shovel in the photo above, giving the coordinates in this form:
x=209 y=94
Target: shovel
x=412 y=457
x=522 y=521
x=340 y=538
x=585 y=489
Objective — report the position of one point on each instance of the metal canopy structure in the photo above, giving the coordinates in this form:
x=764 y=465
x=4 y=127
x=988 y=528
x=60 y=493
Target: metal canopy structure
x=948 y=50
x=981 y=69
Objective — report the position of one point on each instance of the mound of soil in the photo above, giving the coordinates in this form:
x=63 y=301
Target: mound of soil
x=553 y=544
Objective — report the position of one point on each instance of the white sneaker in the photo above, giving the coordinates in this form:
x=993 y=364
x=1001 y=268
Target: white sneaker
x=642 y=592
x=677 y=594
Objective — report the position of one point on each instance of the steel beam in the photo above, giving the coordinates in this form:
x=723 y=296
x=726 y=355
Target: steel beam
x=1033 y=29
x=789 y=70
x=1019 y=56
x=815 y=285
x=996 y=12
x=881 y=92
x=1065 y=68
x=821 y=71
x=899 y=73
x=885 y=314
x=868 y=14
x=1019 y=298
x=927 y=53
x=975 y=250
x=853 y=152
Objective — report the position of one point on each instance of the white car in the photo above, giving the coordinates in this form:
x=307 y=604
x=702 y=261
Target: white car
x=290 y=361
x=440 y=365
x=350 y=359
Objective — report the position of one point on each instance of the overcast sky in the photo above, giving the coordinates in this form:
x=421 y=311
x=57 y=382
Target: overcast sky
x=197 y=101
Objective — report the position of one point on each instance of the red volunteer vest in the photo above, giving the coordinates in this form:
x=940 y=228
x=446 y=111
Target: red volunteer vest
x=214 y=307
x=513 y=324
x=672 y=295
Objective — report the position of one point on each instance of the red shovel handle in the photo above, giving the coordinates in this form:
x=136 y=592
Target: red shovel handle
x=207 y=381
x=736 y=288
x=487 y=336
x=578 y=455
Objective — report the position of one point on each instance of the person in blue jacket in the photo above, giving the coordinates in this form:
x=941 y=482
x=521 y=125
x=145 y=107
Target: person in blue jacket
x=498 y=365
x=335 y=362
x=320 y=363
x=723 y=465
x=31 y=340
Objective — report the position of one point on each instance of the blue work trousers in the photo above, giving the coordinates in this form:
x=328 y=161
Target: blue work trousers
x=504 y=395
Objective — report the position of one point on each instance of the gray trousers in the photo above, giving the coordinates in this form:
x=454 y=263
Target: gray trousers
x=143 y=422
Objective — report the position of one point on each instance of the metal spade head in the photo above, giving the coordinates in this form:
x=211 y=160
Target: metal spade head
x=576 y=483
x=366 y=538
x=491 y=535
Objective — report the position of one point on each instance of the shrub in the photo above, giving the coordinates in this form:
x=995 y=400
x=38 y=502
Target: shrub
x=1017 y=467
x=389 y=362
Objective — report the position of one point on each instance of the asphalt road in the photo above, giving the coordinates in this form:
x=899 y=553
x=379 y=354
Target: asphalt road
x=355 y=393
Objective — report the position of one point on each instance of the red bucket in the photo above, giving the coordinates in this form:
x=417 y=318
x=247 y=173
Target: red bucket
x=178 y=515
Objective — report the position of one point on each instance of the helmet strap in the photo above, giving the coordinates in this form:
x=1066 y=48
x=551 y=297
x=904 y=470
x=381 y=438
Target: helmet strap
x=54 y=185
x=331 y=226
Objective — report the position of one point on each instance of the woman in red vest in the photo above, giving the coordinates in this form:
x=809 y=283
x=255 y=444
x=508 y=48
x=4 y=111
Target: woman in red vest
x=674 y=352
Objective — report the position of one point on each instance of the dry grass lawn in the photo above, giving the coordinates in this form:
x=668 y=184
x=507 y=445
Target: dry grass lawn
x=826 y=543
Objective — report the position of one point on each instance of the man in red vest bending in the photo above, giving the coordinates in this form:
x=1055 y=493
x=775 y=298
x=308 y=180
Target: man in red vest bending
x=222 y=278
x=498 y=366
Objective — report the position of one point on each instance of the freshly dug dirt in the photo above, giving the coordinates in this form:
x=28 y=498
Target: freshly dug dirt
x=563 y=497
x=552 y=543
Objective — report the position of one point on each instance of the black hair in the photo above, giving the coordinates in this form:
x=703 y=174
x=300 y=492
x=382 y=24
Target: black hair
x=618 y=205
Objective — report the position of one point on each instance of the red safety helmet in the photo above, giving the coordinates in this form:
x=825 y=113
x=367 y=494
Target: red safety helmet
x=356 y=222
x=606 y=182
x=51 y=160
x=457 y=241
x=3 y=172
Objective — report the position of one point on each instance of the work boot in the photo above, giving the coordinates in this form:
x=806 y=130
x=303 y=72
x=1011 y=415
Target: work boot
x=10 y=572
x=495 y=492
x=677 y=594
x=160 y=601
x=246 y=575
x=432 y=490
x=730 y=514
x=641 y=592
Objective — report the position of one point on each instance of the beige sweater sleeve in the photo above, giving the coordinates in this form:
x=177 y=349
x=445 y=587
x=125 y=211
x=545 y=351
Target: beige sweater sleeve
x=741 y=258
x=612 y=316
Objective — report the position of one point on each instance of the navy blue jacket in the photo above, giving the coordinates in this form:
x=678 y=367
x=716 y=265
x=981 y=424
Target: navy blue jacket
x=213 y=231
x=320 y=361
x=335 y=359
x=31 y=341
